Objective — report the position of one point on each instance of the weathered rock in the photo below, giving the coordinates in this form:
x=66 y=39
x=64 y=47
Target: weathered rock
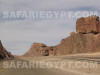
x=89 y=24
x=79 y=43
x=4 y=54
x=40 y=49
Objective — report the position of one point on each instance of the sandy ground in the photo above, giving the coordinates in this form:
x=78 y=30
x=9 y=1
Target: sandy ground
x=93 y=59
x=35 y=71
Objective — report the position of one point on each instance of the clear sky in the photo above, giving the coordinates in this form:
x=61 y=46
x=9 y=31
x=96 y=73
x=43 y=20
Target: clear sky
x=17 y=35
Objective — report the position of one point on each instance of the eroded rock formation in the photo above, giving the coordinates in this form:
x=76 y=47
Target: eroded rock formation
x=86 y=40
x=88 y=25
x=79 y=43
x=40 y=49
x=4 y=54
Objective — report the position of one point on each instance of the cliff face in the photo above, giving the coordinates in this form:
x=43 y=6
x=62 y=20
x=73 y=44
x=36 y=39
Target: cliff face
x=85 y=40
x=4 y=54
x=79 y=43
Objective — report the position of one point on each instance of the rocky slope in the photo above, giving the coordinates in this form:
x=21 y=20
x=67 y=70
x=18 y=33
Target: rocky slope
x=86 y=39
x=4 y=54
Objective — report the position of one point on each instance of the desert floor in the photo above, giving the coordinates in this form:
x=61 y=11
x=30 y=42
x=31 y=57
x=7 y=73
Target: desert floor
x=93 y=59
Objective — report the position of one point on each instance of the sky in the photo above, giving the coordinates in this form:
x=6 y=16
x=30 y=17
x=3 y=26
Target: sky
x=17 y=35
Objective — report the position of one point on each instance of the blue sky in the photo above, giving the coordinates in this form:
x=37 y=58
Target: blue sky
x=18 y=35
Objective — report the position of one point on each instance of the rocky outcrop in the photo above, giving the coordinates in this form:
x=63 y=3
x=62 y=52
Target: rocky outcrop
x=86 y=40
x=40 y=49
x=88 y=25
x=4 y=54
x=79 y=43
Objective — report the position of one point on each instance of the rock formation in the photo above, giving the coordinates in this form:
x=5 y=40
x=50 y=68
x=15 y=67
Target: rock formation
x=40 y=49
x=4 y=54
x=88 y=25
x=79 y=43
x=86 y=40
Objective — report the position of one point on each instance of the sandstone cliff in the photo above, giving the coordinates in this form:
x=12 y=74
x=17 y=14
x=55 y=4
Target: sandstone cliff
x=79 y=43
